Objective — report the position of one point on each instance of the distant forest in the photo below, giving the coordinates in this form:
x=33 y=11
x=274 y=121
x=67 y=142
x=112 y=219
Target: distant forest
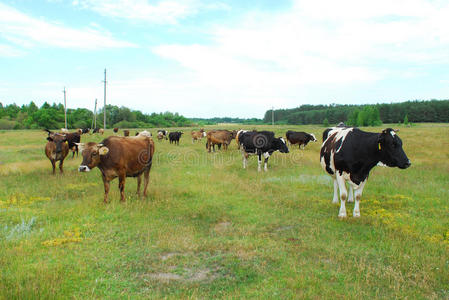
x=213 y=121
x=363 y=115
x=52 y=116
x=49 y=116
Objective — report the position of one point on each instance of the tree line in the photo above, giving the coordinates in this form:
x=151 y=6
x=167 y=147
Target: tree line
x=217 y=120
x=363 y=115
x=31 y=116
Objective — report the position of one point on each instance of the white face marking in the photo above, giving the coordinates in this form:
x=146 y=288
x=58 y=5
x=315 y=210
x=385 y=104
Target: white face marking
x=86 y=169
x=282 y=139
x=392 y=133
x=314 y=138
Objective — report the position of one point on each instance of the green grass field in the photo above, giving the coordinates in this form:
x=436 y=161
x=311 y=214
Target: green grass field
x=210 y=229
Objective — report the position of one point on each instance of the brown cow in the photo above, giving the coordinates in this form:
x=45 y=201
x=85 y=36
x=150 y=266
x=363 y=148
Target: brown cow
x=115 y=130
x=101 y=131
x=126 y=132
x=56 y=149
x=71 y=138
x=198 y=135
x=219 y=137
x=119 y=157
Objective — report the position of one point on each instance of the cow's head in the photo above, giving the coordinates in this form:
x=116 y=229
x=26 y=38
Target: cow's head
x=281 y=145
x=312 y=137
x=91 y=155
x=58 y=139
x=390 y=147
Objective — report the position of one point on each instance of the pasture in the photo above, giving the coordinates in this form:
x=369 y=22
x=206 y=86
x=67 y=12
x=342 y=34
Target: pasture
x=210 y=229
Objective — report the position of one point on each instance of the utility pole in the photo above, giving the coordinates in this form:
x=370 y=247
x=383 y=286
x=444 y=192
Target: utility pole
x=104 y=108
x=272 y=115
x=94 y=120
x=65 y=110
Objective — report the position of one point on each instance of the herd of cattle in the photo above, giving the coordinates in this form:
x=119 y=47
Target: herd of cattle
x=347 y=154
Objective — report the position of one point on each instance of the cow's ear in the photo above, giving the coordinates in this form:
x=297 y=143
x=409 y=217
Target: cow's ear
x=103 y=150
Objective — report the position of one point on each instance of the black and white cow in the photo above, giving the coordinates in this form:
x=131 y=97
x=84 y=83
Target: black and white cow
x=300 y=138
x=260 y=143
x=162 y=133
x=349 y=154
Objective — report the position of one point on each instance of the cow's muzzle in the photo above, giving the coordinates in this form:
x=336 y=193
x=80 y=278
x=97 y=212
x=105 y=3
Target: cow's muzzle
x=406 y=165
x=83 y=169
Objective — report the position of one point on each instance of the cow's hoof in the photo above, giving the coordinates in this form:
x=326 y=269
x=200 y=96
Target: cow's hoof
x=356 y=214
x=342 y=215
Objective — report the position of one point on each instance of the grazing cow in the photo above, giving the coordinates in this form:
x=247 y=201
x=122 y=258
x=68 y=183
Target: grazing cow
x=115 y=129
x=126 y=132
x=260 y=143
x=119 y=157
x=219 y=137
x=175 y=136
x=144 y=133
x=348 y=154
x=86 y=130
x=56 y=149
x=162 y=133
x=98 y=130
x=300 y=138
x=72 y=140
x=198 y=135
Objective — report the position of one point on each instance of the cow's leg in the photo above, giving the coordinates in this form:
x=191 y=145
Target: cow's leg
x=53 y=164
x=245 y=159
x=139 y=181
x=358 y=195
x=259 y=161
x=106 y=189
x=351 y=193
x=146 y=180
x=121 y=186
x=335 y=199
x=343 y=195
x=265 y=165
x=61 y=166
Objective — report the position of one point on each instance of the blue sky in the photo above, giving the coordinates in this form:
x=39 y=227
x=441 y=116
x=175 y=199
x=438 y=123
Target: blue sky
x=223 y=58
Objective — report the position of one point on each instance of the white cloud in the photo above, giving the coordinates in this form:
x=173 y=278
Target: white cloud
x=162 y=12
x=26 y=31
x=270 y=57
